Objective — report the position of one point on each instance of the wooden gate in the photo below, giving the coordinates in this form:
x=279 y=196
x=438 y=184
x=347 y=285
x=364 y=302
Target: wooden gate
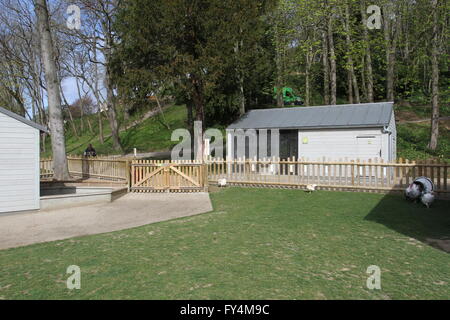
x=168 y=176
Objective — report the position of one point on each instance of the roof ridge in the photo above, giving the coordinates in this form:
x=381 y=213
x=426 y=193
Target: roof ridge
x=350 y=115
x=324 y=106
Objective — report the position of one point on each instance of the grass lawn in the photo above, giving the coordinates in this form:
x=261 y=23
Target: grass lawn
x=256 y=244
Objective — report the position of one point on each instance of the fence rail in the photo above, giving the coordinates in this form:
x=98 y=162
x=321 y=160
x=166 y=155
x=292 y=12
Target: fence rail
x=374 y=175
x=100 y=168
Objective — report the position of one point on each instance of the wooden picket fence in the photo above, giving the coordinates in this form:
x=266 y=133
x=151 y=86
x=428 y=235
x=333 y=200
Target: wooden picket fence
x=97 y=168
x=46 y=166
x=371 y=175
x=168 y=176
x=194 y=176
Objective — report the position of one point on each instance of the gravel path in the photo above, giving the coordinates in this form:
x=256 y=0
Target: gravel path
x=131 y=210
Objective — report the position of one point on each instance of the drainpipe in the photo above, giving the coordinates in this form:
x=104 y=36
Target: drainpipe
x=386 y=130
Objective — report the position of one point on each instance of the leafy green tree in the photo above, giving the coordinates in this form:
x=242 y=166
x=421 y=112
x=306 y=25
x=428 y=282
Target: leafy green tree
x=204 y=49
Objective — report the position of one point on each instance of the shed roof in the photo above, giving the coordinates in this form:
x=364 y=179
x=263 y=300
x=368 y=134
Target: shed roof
x=336 y=116
x=23 y=120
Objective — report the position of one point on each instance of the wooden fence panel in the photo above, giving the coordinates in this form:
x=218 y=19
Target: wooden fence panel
x=369 y=175
x=168 y=176
x=98 y=168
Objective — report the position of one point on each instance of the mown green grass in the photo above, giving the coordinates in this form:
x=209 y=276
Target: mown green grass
x=256 y=244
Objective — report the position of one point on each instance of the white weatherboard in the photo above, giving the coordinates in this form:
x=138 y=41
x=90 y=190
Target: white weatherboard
x=19 y=165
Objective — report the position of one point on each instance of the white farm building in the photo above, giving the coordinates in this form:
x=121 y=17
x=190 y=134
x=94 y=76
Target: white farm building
x=357 y=131
x=19 y=162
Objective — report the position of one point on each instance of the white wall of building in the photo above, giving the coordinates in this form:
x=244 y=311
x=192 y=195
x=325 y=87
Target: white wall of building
x=336 y=144
x=19 y=166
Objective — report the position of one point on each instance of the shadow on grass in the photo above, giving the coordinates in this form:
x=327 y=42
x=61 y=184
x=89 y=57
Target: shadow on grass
x=430 y=226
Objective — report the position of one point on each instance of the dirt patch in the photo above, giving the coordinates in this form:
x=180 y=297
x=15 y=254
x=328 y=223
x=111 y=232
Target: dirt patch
x=441 y=244
x=404 y=115
x=445 y=123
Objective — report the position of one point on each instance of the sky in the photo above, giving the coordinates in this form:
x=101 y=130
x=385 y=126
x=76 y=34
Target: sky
x=69 y=87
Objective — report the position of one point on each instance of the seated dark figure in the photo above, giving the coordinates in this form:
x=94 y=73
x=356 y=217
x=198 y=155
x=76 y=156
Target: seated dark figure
x=90 y=151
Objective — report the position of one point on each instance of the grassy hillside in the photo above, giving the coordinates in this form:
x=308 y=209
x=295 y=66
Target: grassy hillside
x=149 y=135
x=153 y=135
x=413 y=137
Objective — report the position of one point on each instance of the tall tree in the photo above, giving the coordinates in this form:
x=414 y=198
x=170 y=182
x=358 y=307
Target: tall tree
x=96 y=41
x=353 y=87
x=332 y=56
x=368 y=54
x=60 y=168
x=391 y=21
x=435 y=77
x=326 y=68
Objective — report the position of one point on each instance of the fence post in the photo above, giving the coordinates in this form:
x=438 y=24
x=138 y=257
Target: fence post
x=353 y=172
x=128 y=174
x=205 y=177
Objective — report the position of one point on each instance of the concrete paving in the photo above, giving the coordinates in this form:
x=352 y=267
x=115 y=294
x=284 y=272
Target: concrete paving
x=131 y=210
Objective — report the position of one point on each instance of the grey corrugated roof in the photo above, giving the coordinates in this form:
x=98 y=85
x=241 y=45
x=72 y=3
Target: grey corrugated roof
x=23 y=120
x=338 y=116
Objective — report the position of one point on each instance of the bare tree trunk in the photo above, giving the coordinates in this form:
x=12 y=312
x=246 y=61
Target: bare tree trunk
x=390 y=36
x=90 y=126
x=43 y=138
x=241 y=95
x=332 y=57
x=390 y=57
x=80 y=100
x=368 y=60
x=161 y=111
x=190 y=117
x=363 y=79
x=279 y=66
x=309 y=57
x=111 y=101
x=100 y=126
x=435 y=81
x=74 y=128
x=60 y=168
x=352 y=76
x=240 y=78
x=355 y=86
x=326 y=69
x=96 y=92
x=111 y=112
x=349 y=86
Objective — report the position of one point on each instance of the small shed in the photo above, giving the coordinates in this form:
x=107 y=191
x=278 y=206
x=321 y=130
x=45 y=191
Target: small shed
x=19 y=162
x=353 y=131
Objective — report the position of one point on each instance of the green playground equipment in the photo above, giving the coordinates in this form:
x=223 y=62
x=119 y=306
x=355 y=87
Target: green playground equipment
x=289 y=97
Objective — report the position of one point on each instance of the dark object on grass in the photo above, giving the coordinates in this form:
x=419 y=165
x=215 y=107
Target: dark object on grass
x=421 y=189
